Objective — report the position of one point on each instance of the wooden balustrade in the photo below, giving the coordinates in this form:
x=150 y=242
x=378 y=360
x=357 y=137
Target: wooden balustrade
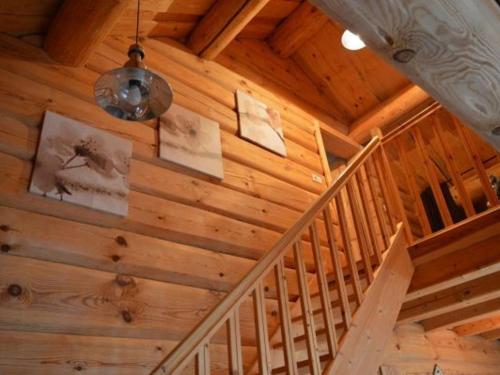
x=361 y=181
x=437 y=155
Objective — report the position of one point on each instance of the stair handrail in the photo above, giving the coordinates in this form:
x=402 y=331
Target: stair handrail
x=213 y=321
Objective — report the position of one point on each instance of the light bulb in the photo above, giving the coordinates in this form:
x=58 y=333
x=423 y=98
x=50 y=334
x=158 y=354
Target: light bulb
x=134 y=96
x=352 y=41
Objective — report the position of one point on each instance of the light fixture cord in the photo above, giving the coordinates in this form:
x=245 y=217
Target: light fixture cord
x=137 y=26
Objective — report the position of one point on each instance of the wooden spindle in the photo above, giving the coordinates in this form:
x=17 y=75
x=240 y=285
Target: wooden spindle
x=431 y=176
x=473 y=154
x=412 y=184
x=263 y=350
x=363 y=195
x=234 y=343
x=360 y=231
x=386 y=235
x=307 y=311
x=393 y=189
x=455 y=173
x=385 y=193
x=324 y=292
x=202 y=362
x=285 y=320
x=358 y=290
x=337 y=267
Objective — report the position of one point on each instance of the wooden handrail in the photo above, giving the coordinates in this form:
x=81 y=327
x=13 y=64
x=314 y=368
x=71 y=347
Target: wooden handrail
x=187 y=349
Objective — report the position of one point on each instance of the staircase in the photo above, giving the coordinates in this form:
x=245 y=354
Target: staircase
x=345 y=309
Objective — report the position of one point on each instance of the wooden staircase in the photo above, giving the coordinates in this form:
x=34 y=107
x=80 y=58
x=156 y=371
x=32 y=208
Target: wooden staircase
x=346 y=311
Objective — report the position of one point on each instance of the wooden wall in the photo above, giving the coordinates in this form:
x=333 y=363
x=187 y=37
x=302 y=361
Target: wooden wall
x=415 y=352
x=108 y=295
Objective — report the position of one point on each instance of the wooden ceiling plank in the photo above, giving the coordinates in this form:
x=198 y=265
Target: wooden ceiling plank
x=388 y=112
x=463 y=316
x=233 y=27
x=478 y=327
x=450 y=49
x=297 y=29
x=79 y=27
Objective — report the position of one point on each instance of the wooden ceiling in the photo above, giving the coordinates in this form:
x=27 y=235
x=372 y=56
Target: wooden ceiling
x=341 y=84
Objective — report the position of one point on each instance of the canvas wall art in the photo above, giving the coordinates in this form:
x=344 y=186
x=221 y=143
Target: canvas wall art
x=260 y=124
x=79 y=164
x=191 y=140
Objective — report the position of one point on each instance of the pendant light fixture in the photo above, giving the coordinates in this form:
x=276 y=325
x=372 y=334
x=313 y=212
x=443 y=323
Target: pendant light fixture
x=133 y=92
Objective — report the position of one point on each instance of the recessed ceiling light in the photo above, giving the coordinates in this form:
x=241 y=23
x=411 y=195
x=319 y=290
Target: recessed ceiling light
x=352 y=41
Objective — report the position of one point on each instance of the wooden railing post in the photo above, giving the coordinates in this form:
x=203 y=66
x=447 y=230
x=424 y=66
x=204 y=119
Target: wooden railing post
x=263 y=349
x=234 y=344
x=393 y=187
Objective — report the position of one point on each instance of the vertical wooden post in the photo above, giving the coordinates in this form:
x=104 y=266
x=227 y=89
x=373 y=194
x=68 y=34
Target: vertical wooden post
x=389 y=205
x=412 y=184
x=234 y=343
x=474 y=156
x=337 y=267
x=285 y=320
x=307 y=311
x=378 y=204
x=324 y=292
x=360 y=232
x=358 y=290
x=394 y=188
x=455 y=173
x=202 y=365
x=432 y=177
x=263 y=350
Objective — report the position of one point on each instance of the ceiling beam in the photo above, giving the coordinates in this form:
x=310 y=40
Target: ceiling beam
x=386 y=113
x=451 y=299
x=220 y=26
x=79 y=28
x=492 y=335
x=477 y=327
x=463 y=316
x=297 y=29
x=449 y=48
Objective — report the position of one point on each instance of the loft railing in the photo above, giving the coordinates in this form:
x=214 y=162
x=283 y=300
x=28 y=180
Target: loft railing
x=367 y=175
x=437 y=191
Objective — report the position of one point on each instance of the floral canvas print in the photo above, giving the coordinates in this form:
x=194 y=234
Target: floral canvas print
x=260 y=124
x=79 y=164
x=191 y=140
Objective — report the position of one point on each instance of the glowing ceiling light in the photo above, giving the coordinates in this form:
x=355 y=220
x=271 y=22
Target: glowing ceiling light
x=352 y=41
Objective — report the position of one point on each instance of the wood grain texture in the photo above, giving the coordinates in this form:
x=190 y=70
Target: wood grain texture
x=413 y=351
x=454 y=44
x=297 y=29
x=79 y=27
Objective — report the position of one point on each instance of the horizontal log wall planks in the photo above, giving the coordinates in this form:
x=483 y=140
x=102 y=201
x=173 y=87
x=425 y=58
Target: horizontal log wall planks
x=413 y=351
x=100 y=282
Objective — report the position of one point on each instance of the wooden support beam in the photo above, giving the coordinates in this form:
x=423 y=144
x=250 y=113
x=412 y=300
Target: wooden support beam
x=297 y=29
x=79 y=28
x=387 y=112
x=477 y=327
x=374 y=320
x=221 y=25
x=463 y=316
x=452 y=55
x=338 y=143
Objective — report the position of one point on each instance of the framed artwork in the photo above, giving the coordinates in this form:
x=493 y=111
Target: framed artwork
x=79 y=164
x=191 y=140
x=260 y=124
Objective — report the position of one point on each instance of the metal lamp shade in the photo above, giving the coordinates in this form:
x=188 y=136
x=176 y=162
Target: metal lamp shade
x=133 y=94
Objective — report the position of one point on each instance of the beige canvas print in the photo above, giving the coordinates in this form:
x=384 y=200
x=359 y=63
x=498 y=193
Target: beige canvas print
x=79 y=164
x=191 y=140
x=260 y=124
